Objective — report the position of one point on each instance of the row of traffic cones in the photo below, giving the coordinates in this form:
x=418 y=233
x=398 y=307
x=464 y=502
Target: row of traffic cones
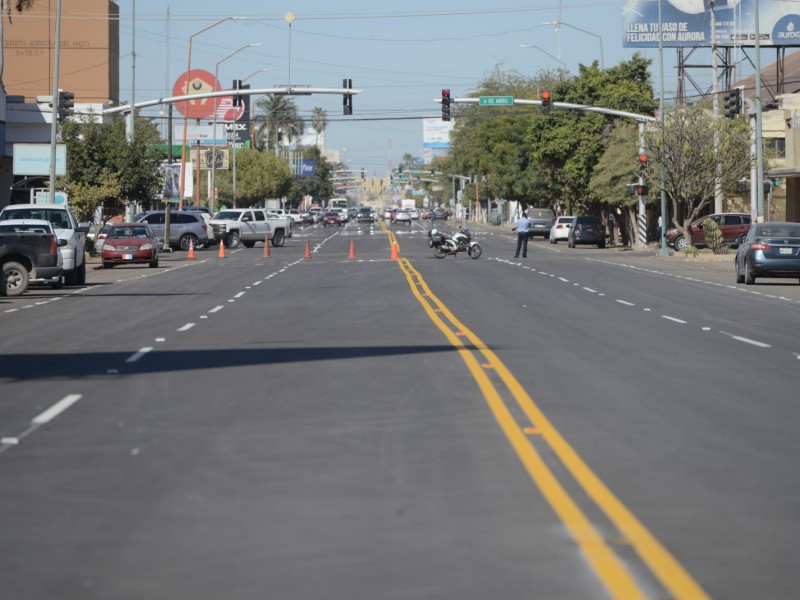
x=351 y=256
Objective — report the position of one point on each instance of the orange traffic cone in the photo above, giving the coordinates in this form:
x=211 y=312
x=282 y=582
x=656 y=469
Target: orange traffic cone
x=395 y=251
x=352 y=255
x=266 y=246
x=190 y=254
x=221 y=250
x=308 y=250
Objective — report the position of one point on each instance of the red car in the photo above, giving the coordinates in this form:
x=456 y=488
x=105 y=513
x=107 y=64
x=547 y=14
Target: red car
x=331 y=218
x=130 y=243
x=734 y=228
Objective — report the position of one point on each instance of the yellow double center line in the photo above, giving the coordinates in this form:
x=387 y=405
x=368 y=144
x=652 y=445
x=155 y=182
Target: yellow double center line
x=612 y=572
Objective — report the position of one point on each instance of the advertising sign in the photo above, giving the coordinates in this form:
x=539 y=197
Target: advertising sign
x=196 y=81
x=687 y=23
x=305 y=168
x=34 y=159
x=221 y=160
x=202 y=135
x=436 y=133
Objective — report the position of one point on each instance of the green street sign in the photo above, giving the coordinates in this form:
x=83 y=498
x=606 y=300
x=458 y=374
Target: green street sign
x=496 y=101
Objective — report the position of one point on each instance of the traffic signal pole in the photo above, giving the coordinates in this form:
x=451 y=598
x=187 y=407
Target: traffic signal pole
x=51 y=195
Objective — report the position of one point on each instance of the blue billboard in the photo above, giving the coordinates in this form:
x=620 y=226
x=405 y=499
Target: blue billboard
x=687 y=23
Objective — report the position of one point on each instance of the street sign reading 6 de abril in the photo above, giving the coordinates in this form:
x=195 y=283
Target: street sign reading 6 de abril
x=495 y=100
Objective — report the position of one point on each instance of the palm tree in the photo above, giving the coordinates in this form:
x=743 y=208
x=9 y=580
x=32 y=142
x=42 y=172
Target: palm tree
x=319 y=121
x=280 y=122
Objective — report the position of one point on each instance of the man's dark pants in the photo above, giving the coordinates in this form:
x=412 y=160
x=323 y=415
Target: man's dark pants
x=522 y=242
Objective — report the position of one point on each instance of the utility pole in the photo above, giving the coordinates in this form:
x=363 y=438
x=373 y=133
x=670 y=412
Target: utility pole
x=51 y=196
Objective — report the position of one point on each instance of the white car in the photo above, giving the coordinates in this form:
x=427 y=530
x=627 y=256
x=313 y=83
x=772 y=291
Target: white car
x=403 y=215
x=414 y=213
x=560 y=229
x=71 y=235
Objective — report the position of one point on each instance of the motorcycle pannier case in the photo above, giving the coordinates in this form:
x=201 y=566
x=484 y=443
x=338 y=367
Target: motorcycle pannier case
x=437 y=238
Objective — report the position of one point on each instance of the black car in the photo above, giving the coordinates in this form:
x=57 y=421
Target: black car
x=365 y=215
x=587 y=230
x=542 y=220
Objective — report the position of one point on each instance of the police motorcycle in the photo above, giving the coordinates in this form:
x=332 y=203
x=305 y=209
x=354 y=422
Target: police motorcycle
x=461 y=241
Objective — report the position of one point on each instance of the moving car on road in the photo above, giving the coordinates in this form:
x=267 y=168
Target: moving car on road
x=130 y=243
x=403 y=215
x=365 y=215
x=331 y=218
x=769 y=250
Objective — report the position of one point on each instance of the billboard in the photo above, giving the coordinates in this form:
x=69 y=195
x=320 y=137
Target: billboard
x=687 y=23
x=436 y=133
x=34 y=159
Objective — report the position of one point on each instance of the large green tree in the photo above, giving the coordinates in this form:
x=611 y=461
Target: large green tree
x=259 y=176
x=567 y=144
x=103 y=167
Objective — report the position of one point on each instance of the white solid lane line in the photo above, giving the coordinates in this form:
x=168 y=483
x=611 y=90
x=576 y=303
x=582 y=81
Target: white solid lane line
x=57 y=408
x=673 y=319
x=186 y=327
x=134 y=357
x=739 y=338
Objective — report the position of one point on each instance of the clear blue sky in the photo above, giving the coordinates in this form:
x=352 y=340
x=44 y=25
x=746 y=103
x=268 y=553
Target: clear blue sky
x=401 y=57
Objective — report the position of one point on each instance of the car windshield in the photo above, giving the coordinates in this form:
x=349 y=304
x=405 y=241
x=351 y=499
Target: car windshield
x=778 y=231
x=57 y=217
x=227 y=214
x=128 y=232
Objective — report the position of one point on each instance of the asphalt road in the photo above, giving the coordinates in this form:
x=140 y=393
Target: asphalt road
x=581 y=424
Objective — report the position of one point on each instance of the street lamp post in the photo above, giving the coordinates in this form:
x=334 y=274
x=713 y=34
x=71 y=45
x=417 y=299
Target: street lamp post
x=558 y=60
x=185 y=117
x=213 y=195
x=560 y=23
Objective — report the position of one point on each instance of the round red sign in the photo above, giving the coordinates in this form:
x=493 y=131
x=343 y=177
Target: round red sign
x=196 y=81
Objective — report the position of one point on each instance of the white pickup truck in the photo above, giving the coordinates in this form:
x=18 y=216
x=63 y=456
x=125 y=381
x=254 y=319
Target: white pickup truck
x=248 y=226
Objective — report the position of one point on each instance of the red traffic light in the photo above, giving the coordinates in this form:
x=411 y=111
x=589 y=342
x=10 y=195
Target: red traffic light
x=545 y=101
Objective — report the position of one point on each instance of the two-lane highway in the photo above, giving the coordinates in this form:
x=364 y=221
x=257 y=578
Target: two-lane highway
x=577 y=425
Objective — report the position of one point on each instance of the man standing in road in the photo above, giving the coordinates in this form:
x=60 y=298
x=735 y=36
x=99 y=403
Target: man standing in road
x=523 y=227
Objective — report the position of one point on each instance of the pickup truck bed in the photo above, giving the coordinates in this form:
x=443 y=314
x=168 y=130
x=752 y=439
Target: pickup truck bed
x=25 y=256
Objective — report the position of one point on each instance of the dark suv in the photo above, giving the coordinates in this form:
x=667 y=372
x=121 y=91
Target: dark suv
x=541 y=221
x=587 y=230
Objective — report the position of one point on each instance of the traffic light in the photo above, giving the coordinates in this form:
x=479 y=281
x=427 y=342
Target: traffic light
x=362 y=174
x=642 y=165
x=641 y=190
x=545 y=102
x=733 y=103
x=445 y=105
x=347 y=99
x=237 y=98
x=66 y=104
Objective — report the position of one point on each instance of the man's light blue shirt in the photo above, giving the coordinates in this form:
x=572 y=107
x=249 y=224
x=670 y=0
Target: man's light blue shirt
x=524 y=225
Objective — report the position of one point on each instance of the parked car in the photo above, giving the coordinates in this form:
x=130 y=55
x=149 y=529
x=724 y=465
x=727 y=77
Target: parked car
x=560 y=229
x=130 y=243
x=44 y=270
x=185 y=228
x=587 y=230
x=769 y=250
x=734 y=228
x=542 y=220
x=331 y=218
x=99 y=238
x=71 y=235
x=403 y=215
x=365 y=215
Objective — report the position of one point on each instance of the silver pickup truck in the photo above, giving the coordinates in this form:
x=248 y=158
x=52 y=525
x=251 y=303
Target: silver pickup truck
x=248 y=226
